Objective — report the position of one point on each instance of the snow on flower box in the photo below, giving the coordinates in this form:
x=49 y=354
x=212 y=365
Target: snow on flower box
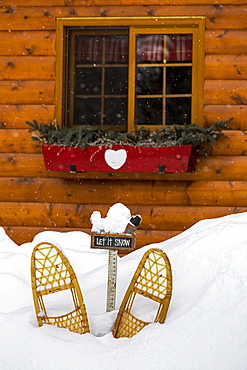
x=120 y=158
x=123 y=242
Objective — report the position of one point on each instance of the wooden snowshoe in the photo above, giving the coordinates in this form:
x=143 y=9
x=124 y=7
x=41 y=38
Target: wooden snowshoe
x=51 y=272
x=152 y=279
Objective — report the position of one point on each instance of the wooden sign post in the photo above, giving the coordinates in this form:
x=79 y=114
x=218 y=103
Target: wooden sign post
x=112 y=280
x=112 y=242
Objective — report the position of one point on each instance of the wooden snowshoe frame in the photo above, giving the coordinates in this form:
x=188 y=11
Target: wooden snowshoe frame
x=152 y=279
x=51 y=272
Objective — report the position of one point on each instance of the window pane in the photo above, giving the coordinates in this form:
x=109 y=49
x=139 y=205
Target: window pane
x=149 y=80
x=115 y=111
x=179 y=48
x=178 y=80
x=96 y=48
x=163 y=70
x=89 y=49
x=178 y=111
x=101 y=70
x=87 y=111
x=116 y=49
x=149 y=111
x=150 y=48
x=88 y=81
x=116 y=81
x=164 y=48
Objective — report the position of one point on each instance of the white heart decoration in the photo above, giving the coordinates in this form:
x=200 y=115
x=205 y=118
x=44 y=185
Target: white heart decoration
x=115 y=158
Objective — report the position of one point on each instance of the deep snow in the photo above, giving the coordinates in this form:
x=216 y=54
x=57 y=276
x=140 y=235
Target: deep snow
x=206 y=324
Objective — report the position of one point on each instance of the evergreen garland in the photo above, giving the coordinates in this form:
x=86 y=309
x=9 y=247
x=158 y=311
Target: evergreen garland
x=82 y=137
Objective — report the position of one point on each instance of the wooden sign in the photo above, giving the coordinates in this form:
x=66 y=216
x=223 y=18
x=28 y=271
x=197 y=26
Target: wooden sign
x=123 y=242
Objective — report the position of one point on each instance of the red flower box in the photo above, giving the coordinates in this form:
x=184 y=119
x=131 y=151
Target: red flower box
x=120 y=158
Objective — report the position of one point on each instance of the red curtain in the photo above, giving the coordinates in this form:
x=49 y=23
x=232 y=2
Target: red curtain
x=178 y=47
x=90 y=48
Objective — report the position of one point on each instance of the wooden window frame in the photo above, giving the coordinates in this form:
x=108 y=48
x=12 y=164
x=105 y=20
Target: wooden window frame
x=194 y=25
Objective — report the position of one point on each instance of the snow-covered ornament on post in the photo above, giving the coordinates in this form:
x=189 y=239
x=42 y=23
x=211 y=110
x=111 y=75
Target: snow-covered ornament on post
x=114 y=232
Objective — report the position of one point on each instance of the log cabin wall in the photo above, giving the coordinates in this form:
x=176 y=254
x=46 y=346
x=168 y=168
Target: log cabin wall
x=33 y=200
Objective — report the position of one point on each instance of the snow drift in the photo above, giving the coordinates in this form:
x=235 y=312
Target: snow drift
x=206 y=324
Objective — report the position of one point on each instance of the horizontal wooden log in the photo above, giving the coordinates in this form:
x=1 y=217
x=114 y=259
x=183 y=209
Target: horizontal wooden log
x=21 y=164
x=14 y=116
x=93 y=191
x=34 y=43
x=29 y=43
x=78 y=216
x=234 y=142
x=161 y=193
x=42 y=92
x=27 y=92
x=10 y=3
x=217 y=193
x=214 y=168
x=225 y=92
x=43 y=18
x=18 y=141
x=226 y=67
x=145 y=237
x=27 y=68
x=225 y=16
x=213 y=113
x=226 y=41
x=22 y=234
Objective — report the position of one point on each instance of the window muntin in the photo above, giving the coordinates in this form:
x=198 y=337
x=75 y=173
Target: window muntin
x=163 y=79
x=98 y=67
x=120 y=76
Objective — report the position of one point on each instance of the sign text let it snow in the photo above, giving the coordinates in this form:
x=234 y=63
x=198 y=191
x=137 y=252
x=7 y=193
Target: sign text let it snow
x=113 y=241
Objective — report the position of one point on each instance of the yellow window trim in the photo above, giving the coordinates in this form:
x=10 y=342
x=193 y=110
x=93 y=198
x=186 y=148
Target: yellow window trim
x=194 y=25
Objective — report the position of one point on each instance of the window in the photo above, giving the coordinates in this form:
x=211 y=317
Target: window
x=121 y=73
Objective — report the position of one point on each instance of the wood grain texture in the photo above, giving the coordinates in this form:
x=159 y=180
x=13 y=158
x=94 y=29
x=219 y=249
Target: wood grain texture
x=18 y=141
x=14 y=116
x=233 y=143
x=213 y=113
x=27 y=92
x=76 y=3
x=27 y=43
x=43 y=18
x=226 y=41
x=43 y=190
x=108 y=192
x=27 y=68
x=42 y=43
x=226 y=67
x=232 y=92
x=218 y=193
x=42 y=92
x=217 y=66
